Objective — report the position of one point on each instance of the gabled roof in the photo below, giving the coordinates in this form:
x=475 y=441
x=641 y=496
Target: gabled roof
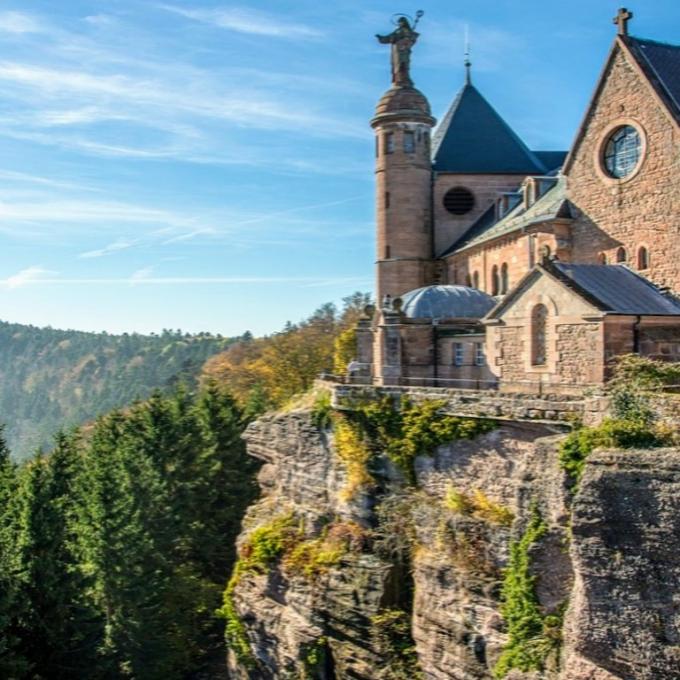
x=660 y=66
x=473 y=138
x=551 y=205
x=617 y=289
x=612 y=289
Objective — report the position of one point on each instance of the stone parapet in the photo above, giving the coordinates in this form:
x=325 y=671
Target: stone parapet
x=561 y=409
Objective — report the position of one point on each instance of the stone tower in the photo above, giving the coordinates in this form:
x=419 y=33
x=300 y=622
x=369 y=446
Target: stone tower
x=402 y=125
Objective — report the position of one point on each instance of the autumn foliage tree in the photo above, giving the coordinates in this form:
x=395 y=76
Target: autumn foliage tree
x=276 y=367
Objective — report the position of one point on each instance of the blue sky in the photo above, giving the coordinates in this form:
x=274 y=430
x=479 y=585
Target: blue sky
x=208 y=166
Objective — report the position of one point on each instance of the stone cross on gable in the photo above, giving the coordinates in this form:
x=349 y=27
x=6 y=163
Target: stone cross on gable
x=622 y=19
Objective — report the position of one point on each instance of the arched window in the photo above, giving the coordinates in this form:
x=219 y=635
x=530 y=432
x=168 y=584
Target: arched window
x=642 y=258
x=475 y=280
x=539 y=345
x=621 y=255
x=504 y=278
x=495 y=281
x=602 y=258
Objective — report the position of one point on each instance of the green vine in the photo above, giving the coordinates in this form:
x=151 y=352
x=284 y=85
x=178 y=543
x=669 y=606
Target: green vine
x=532 y=635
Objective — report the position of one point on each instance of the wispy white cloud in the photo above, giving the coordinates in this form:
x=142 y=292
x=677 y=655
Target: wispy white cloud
x=40 y=276
x=116 y=246
x=18 y=23
x=189 y=235
x=245 y=20
x=141 y=275
x=34 y=274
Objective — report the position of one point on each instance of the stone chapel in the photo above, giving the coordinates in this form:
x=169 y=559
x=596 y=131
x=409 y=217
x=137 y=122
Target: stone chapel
x=502 y=266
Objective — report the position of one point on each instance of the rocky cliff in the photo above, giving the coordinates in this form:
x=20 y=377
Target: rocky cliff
x=485 y=562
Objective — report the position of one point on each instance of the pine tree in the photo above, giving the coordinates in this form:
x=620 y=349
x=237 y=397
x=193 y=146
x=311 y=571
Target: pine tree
x=60 y=631
x=229 y=480
x=122 y=499
x=12 y=663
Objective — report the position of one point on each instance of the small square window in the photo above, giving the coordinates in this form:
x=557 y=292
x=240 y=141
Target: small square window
x=409 y=142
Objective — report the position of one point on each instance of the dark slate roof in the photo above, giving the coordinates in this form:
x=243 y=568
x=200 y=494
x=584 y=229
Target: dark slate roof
x=473 y=138
x=446 y=302
x=551 y=205
x=661 y=64
x=552 y=160
x=615 y=289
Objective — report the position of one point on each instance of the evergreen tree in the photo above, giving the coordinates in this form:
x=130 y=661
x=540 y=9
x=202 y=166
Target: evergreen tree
x=12 y=663
x=60 y=631
x=122 y=499
x=229 y=480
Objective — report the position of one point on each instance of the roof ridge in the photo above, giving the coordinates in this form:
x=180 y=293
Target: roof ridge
x=654 y=42
x=640 y=54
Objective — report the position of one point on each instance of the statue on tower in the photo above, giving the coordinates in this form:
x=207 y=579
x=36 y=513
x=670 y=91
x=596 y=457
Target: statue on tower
x=402 y=39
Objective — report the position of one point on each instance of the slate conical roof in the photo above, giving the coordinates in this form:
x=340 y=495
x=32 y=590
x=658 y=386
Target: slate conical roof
x=473 y=138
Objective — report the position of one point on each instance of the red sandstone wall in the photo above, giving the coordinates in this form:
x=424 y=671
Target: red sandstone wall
x=645 y=209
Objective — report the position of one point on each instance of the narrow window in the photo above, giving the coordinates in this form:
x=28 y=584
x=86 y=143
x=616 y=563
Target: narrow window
x=602 y=258
x=475 y=280
x=495 y=281
x=642 y=258
x=504 y=278
x=621 y=255
x=409 y=142
x=458 y=354
x=468 y=281
x=377 y=146
x=539 y=322
x=387 y=252
x=480 y=359
x=389 y=142
x=387 y=200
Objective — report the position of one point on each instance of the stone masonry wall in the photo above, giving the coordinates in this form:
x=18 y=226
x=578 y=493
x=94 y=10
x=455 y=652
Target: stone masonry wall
x=486 y=189
x=643 y=209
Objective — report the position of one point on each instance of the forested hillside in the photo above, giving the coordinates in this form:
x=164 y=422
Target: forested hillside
x=114 y=551
x=51 y=379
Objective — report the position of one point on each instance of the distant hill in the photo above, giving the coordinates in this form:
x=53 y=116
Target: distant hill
x=52 y=378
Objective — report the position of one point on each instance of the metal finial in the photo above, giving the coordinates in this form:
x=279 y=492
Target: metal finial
x=468 y=63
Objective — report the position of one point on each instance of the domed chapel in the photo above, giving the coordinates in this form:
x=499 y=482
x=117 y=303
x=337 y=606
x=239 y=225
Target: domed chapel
x=505 y=267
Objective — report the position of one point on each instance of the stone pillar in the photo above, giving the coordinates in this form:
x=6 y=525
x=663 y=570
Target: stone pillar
x=388 y=349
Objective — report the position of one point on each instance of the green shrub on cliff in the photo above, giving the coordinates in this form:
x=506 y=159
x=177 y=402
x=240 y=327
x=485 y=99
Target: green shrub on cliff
x=478 y=505
x=409 y=429
x=532 y=636
x=391 y=637
x=611 y=433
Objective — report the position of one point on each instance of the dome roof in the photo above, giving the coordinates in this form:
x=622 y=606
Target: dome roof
x=403 y=103
x=446 y=302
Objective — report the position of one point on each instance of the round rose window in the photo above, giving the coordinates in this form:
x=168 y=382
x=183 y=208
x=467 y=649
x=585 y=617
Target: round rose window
x=622 y=151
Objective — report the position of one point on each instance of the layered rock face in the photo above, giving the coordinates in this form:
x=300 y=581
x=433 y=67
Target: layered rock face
x=436 y=552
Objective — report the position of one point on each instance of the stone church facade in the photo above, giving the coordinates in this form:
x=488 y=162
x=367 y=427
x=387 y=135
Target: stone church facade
x=502 y=266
